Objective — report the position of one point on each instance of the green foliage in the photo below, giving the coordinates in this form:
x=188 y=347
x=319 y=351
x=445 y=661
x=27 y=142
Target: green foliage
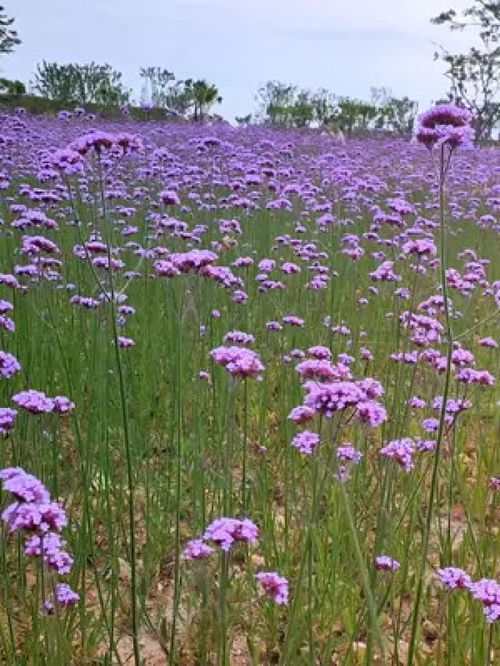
x=80 y=84
x=275 y=100
x=156 y=85
x=353 y=115
x=204 y=95
x=285 y=105
x=9 y=38
x=394 y=114
x=323 y=103
x=15 y=88
x=474 y=77
x=180 y=97
x=244 y=121
x=42 y=105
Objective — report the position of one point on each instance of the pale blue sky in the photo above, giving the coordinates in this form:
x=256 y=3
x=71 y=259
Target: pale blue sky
x=343 y=45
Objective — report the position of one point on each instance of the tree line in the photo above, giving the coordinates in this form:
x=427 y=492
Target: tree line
x=287 y=105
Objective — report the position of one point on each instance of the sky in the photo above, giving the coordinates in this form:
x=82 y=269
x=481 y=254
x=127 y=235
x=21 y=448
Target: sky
x=346 y=46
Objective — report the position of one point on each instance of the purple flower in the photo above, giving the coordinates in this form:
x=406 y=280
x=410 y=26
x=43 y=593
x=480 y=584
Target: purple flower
x=371 y=412
x=5 y=306
x=9 y=364
x=386 y=563
x=446 y=114
x=327 y=398
x=238 y=361
x=487 y=591
x=488 y=342
x=430 y=425
x=402 y=451
x=85 y=302
x=385 y=273
x=266 y=265
x=9 y=281
x=39 y=517
x=62 y=404
x=275 y=586
x=445 y=124
x=192 y=261
x=288 y=268
x=125 y=343
x=462 y=357
x=32 y=401
x=348 y=453
x=366 y=354
x=471 y=376
x=293 y=320
x=65 y=596
x=166 y=268
x=321 y=353
x=129 y=143
x=197 y=549
x=25 y=487
x=50 y=547
x=322 y=370
x=7 y=419
x=67 y=160
x=170 y=198
x=95 y=139
x=453 y=578
x=239 y=297
x=301 y=414
x=417 y=403
x=7 y=323
x=426 y=445
x=239 y=338
x=421 y=246
x=226 y=531
x=306 y=441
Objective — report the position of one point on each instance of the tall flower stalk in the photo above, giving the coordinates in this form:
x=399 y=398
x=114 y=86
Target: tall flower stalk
x=445 y=127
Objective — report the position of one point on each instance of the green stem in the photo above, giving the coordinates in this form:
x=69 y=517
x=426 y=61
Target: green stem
x=365 y=577
x=442 y=418
x=127 y=438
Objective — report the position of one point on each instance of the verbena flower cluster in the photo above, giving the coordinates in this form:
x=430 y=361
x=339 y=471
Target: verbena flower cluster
x=42 y=520
x=486 y=590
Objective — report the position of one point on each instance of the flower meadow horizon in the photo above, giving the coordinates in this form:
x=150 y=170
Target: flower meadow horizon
x=250 y=392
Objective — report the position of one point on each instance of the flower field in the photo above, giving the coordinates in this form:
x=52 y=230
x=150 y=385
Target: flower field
x=249 y=407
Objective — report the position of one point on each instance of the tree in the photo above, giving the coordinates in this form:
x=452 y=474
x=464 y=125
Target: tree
x=275 y=99
x=474 y=76
x=15 y=88
x=81 y=84
x=302 y=110
x=285 y=105
x=9 y=38
x=244 y=121
x=353 y=116
x=323 y=103
x=204 y=95
x=179 y=97
x=156 y=85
